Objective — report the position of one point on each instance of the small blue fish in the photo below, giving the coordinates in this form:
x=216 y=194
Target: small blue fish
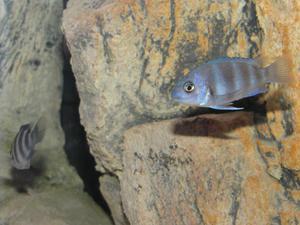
x=217 y=83
x=23 y=146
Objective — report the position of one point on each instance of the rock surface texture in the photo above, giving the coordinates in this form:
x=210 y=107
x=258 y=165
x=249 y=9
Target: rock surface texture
x=58 y=207
x=202 y=170
x=126 y=56
x=31 y=77
x=278 y=127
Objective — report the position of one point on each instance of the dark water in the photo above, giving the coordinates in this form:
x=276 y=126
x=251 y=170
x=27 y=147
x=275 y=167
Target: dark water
x=76 y=146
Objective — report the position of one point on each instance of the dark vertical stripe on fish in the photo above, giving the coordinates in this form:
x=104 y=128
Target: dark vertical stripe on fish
x=25 y=147
x=252 y=76
x=16 y=146
x=22 y=150
x=242 y=77
x=232 y=77
x=218 y=78
x=229 y=78
x=28 y=139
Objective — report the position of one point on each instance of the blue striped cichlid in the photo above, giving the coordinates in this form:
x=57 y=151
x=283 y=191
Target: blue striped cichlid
x=217 y=83
x=23 y=146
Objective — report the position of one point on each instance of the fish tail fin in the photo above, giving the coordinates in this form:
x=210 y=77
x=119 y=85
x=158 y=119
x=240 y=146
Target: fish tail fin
x=38 y=129
x=280 y=71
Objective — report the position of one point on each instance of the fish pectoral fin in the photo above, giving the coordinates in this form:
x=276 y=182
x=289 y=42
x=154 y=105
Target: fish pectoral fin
x=225 y=107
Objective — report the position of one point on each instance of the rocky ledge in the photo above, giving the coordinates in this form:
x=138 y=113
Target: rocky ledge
x=236 y=168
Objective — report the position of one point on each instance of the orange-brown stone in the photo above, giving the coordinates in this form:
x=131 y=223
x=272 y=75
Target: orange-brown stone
x=126 y=56
x=201 y=170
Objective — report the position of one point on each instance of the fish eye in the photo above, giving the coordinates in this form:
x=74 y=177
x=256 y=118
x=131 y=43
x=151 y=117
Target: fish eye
x=188 y=87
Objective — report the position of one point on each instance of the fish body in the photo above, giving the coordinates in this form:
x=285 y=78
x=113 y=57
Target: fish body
x=23 y=146
x=218 y=83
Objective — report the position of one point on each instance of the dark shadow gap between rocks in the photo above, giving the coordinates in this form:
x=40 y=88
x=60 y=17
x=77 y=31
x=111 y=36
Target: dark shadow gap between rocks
x=76 y=145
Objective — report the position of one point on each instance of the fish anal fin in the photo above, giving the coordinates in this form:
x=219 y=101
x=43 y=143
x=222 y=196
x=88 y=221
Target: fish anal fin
x=225 y=107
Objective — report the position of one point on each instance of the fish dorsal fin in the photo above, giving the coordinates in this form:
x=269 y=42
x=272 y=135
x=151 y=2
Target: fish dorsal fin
x=225 y=59
x=221 y=59
x=263 y=61
x=38 y=129
x=259 y=60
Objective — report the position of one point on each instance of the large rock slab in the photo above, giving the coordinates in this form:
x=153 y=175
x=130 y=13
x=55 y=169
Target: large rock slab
x=201 y=170
x=31 y=82
x=278 y=127
x=110 y=188
x=127 y=54
x=58 y=207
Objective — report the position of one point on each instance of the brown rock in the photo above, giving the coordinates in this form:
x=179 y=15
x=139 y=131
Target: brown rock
x=58 y=207
x=31 y=82
x=279 y=129
x=202 y=170
x=127 y=54
x=110 y=187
